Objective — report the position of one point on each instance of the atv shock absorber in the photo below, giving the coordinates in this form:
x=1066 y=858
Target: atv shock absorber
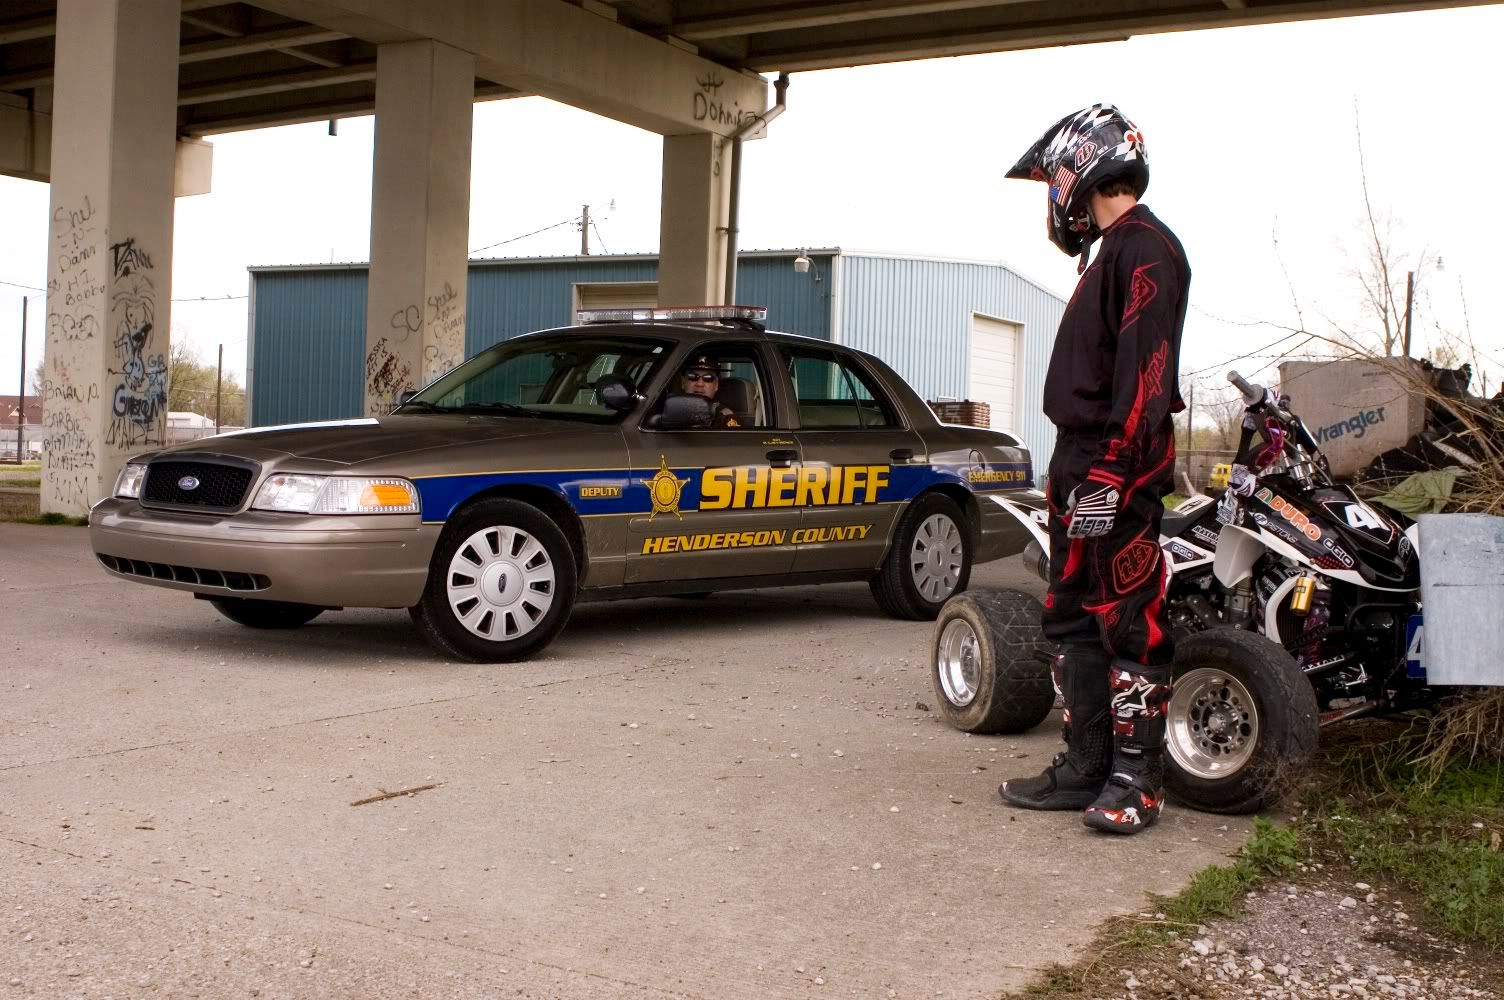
x=1318 y=616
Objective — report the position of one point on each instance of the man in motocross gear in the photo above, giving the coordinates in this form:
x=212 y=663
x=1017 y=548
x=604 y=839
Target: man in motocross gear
x=1110 y=391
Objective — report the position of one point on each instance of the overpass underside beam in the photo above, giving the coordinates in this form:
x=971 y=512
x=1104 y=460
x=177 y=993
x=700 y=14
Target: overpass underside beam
x=109 y=254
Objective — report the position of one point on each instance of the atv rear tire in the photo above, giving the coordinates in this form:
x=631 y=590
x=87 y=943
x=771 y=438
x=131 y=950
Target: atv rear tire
x=990 y=662
x=1241 y=722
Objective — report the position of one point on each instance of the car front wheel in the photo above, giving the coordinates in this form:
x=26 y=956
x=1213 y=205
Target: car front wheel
x=500 y=586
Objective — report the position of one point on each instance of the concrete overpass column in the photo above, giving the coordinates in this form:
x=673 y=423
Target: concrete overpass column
x=692 y=220
x=420 y=218
x=109 y=255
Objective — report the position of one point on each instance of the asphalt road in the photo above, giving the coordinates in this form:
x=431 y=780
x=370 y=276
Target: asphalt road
x=734 y=797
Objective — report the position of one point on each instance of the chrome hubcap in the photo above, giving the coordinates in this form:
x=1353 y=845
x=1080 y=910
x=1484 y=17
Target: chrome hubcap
x=935 y=559
x=957 y=663
x=500 y=583
x=1213 y=724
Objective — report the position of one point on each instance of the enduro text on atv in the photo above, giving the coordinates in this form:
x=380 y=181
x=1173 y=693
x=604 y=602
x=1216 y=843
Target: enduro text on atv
x=1294 y=606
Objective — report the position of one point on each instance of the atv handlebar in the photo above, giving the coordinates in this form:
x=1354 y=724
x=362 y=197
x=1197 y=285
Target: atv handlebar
x=1252 y=394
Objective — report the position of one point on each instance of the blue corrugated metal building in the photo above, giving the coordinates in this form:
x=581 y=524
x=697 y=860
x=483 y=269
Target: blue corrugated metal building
x=954 y=329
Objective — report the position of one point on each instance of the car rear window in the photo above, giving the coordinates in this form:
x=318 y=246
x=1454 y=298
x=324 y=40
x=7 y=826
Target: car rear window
x=835 y=395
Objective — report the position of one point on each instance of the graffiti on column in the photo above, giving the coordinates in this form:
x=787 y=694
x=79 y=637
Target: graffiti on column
x=407 y=322
x=387 y=377
x=75 y=300
x=138 y=408
x=445 y=341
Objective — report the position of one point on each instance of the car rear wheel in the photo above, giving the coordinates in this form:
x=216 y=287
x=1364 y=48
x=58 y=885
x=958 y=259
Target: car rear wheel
x=500 y=586
x=929 y=560
x=266 y=614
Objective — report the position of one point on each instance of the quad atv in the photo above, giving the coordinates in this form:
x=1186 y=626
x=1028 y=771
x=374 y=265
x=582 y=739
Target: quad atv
x=1293 y=607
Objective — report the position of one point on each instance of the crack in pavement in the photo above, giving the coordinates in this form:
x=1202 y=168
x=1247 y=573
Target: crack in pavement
x=38 y=588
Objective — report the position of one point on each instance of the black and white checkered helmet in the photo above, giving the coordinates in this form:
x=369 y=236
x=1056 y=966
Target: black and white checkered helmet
x=1077 y=155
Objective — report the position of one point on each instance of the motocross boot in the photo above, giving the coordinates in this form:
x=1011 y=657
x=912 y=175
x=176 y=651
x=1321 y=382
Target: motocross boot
x=1134 y=794
x=1075 y=778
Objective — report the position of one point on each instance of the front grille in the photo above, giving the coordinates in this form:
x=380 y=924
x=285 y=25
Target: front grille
x=220 y=487
x=224 y=579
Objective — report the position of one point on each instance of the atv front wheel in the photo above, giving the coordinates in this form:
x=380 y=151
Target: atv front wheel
x=990 y=662
x=1241 y=722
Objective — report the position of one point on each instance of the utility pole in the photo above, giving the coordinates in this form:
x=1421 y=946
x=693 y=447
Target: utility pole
x=585 y=231
x=1190 y=426
x=219 y=381
x=1409 y=302
x=21 y=410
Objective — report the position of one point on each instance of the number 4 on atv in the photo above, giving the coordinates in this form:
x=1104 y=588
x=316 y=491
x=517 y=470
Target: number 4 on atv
x=1294 y=605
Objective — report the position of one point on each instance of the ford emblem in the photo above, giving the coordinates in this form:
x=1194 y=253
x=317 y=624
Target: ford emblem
x=188 y=484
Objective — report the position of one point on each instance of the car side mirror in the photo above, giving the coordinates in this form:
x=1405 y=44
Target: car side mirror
x=405 y=396
x=617 y=392
x=685 y=413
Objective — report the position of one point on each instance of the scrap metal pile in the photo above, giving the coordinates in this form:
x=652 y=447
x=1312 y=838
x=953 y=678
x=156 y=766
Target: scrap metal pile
x=1459 y=450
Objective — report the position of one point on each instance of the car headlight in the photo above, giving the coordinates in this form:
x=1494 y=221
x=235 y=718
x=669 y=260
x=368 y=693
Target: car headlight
x=128 y=484
x=336 y=495
x=343 y=495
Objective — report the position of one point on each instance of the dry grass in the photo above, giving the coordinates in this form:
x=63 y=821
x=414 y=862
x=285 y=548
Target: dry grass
x=1469 y=729
x=14 y=505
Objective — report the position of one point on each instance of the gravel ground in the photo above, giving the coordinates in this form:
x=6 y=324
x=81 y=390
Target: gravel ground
x=1322 y=936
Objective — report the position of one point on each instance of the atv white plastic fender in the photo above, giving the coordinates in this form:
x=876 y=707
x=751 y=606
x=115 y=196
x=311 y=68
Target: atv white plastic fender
x=1237 y=550
x=1032 y=510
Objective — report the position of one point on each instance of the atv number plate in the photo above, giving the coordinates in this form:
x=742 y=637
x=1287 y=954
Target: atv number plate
x=1414 y=666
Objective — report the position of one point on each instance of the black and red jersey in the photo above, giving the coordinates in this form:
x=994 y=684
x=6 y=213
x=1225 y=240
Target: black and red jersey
x=1113 y=371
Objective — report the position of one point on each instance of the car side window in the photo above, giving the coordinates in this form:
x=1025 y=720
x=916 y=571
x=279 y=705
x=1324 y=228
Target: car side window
x=835 y=395
x=730 y=376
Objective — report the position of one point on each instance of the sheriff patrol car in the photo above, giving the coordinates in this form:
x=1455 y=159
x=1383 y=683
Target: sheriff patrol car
x=576 y=464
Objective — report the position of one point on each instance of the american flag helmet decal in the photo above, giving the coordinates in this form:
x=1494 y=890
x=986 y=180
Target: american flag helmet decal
x=1077 y=155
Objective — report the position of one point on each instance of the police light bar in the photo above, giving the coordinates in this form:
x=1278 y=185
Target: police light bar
x=747 y=314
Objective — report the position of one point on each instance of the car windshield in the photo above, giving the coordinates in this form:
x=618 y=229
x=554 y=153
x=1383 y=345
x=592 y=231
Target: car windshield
x=542 y=377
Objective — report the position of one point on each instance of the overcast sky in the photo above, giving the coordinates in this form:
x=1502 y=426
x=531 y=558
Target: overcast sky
x=1250 y=134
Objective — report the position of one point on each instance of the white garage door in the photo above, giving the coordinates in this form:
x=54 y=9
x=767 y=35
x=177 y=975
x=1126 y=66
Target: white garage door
x=616 y=295
x=994 y=360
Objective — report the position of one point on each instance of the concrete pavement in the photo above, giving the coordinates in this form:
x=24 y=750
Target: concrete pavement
x=735 y=797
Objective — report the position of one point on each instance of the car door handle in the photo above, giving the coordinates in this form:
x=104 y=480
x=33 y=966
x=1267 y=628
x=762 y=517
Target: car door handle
x=782 y=458
x=901 y=454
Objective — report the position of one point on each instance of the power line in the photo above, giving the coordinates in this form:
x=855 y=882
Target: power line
x=535 y=232
x=595 y=229
x=198 y=298
x=1253 y=353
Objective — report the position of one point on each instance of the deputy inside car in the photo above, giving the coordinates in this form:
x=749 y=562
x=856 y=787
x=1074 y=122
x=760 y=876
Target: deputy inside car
x=728 y=380
x=702 y=377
